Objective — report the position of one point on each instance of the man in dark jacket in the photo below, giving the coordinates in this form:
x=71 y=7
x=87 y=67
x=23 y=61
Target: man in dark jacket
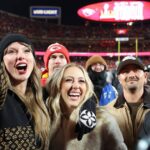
x=96 y=67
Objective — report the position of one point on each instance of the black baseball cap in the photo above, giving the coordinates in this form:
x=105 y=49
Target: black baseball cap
x=130 y=60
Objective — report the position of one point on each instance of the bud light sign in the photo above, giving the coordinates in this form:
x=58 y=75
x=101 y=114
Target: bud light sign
x=45 y=12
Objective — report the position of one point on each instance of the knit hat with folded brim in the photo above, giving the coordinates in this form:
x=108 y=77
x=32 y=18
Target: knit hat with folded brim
x=95 y=59
x=10 y=38
x=55 y=48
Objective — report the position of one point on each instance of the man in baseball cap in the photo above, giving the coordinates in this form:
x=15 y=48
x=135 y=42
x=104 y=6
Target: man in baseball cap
x=133 y=103
x=55 y=57
x=130 y=60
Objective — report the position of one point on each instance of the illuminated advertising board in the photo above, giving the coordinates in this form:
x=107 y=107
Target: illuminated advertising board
x=116 y=11
x=45 y=12
x=108 y=54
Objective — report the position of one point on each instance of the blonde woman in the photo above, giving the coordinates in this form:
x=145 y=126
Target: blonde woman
x=74 y=123
x=24 y=119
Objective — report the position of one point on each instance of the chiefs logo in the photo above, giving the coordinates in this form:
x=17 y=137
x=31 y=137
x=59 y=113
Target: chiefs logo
x=54 y=47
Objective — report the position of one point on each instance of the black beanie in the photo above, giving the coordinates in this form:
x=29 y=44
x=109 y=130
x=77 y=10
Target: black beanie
x=10 y=38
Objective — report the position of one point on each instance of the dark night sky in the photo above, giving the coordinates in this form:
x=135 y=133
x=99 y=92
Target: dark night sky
x=69 y=8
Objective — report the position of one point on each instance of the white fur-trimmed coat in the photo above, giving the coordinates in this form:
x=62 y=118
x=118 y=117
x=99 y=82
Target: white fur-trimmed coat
x=105 y=136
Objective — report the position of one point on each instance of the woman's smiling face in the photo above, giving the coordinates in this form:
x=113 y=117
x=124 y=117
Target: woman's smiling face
x=19 y=61
x=73 y=87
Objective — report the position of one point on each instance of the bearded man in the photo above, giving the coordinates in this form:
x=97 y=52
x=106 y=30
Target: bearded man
x=133 y=103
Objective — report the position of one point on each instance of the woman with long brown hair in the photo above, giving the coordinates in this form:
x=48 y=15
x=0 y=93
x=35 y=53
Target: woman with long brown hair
x=24 y=120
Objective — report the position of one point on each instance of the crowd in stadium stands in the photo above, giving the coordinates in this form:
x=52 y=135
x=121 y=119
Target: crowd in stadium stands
x=77 y=38
x=70 y=93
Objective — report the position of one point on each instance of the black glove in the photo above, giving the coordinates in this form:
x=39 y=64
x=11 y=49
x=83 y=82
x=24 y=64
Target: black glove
x=87 y=118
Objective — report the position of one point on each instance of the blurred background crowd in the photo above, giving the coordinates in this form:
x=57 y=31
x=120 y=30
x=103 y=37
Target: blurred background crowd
x=89 y=37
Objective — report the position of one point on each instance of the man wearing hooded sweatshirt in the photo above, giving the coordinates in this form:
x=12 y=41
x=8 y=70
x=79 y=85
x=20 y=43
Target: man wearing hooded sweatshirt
x=96 y=67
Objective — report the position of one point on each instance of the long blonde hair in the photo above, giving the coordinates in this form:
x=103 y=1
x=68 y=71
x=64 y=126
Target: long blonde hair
x=54 y=90
x=33 y=100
